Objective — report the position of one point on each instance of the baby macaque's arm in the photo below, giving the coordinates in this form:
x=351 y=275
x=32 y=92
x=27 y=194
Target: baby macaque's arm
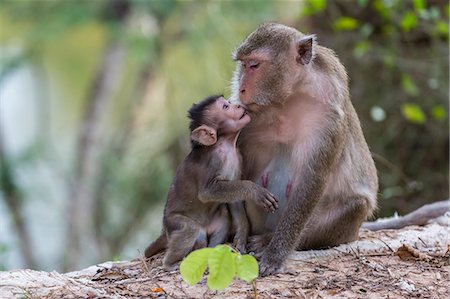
x=230 y=191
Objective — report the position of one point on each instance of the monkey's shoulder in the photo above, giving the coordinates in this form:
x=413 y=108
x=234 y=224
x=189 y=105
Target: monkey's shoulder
x=223 y=155
x=196 y=169
x=184 y=184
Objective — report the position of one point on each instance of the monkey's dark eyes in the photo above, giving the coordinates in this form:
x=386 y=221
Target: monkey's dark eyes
x=226 y=106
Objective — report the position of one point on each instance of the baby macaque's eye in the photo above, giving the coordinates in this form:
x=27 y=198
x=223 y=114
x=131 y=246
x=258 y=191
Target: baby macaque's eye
x=225 y=106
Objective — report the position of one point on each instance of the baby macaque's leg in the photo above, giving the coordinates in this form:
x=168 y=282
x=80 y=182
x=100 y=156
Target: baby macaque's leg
x=240 y=226
x=220 y=227
x=182 y=240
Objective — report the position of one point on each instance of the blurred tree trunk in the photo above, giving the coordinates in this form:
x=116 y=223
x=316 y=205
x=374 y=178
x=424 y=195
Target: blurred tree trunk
x=82 y=192
x=14 y=200
x=81 y=210
x=117 y=148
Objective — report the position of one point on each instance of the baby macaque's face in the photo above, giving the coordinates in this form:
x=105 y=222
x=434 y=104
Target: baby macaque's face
x=230 y=118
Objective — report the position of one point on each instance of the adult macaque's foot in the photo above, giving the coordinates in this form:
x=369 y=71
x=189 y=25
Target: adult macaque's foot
x=240 y=244
x=269 y=267
x=258 y=243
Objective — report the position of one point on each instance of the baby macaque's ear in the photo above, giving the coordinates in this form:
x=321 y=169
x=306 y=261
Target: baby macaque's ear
x=204 y=135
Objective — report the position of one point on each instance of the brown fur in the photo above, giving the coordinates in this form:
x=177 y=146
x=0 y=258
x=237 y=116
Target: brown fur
x=305 y=144
x=206 y=189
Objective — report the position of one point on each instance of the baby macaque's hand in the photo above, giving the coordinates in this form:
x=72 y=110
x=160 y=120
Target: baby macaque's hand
x=267 y=200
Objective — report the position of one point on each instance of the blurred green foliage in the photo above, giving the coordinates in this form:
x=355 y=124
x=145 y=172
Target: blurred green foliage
x=396 y=54
x=177 y=52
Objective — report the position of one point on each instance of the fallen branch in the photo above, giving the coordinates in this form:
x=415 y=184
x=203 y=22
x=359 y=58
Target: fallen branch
x=411 y=262
x=421 y=216
x=433 y=240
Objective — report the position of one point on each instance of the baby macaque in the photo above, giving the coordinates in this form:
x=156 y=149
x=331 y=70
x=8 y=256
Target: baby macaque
x=205 y=201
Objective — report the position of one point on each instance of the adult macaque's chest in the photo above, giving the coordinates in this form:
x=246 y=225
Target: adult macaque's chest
x=273 y=148
x=277 y=176
x=267 y=161
x=267 y=156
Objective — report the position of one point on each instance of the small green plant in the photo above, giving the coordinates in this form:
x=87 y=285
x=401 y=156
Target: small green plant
x=224 y=264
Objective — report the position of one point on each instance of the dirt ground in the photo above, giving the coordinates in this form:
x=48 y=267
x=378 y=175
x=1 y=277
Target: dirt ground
x=407 y=263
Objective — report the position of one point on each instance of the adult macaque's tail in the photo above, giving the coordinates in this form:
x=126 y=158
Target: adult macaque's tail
x=157 y=245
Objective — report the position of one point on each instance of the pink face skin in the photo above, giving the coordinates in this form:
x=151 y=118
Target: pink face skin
x=253 y=67
x=230 y=118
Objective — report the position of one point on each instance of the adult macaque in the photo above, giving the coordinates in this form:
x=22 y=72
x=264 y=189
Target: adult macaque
x=304 y=144
x=196 y=214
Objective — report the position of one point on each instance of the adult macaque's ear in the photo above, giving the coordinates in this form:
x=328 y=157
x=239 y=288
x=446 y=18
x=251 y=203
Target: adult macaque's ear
x=204 y=135
x=305 y=49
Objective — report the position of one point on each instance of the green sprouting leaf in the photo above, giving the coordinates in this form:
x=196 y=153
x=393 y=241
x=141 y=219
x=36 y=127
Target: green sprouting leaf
x=361 y=48
x=345 y=23
x=409 y=21
x=222 y=267
x=224 y=263
x=409 y=86
x=419 y=4
x=246 y=267
x=438 y=112
x=413 y=113
x=194 y=265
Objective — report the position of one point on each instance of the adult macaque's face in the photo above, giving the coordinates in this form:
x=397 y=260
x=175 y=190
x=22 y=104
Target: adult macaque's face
x=251 y=70
x=259 y=79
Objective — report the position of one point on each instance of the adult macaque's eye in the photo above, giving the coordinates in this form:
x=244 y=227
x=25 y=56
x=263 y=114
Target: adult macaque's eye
x=254 y=64
x=225 y=106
